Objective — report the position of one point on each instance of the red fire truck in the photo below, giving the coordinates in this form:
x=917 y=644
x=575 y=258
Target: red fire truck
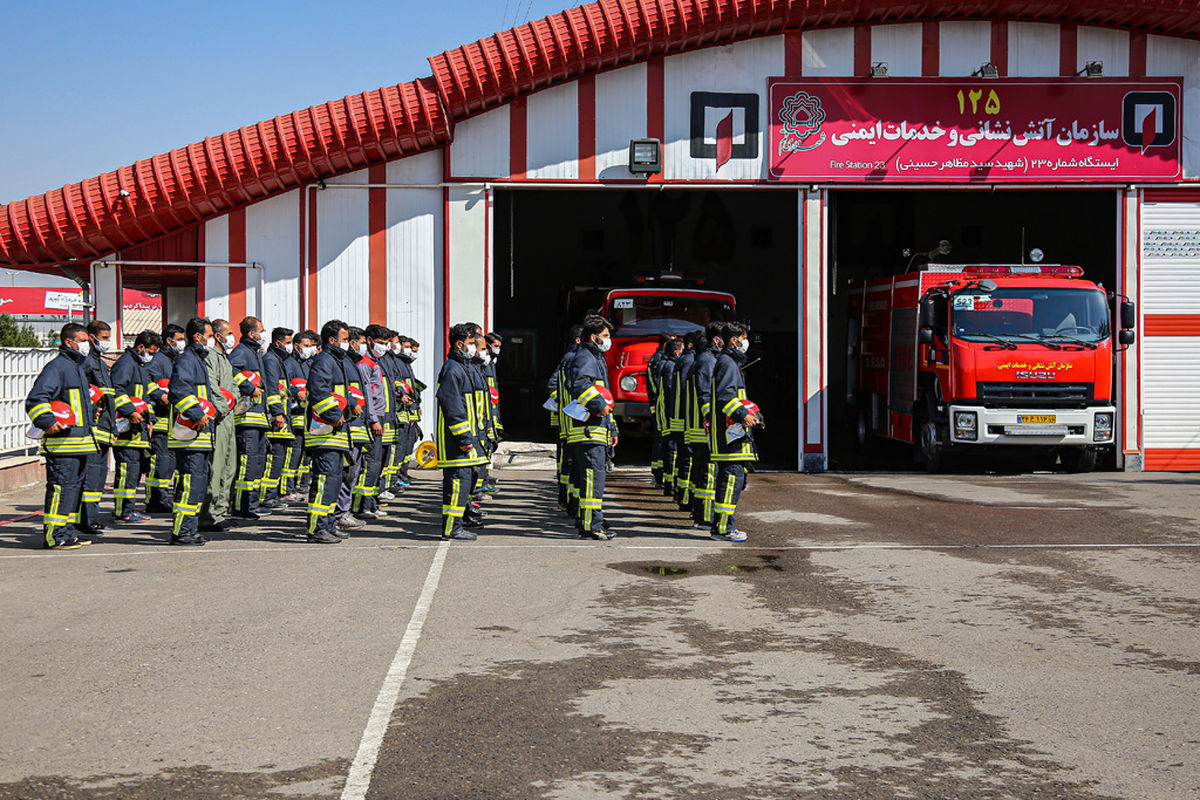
x=638 y=317
x=962 y=359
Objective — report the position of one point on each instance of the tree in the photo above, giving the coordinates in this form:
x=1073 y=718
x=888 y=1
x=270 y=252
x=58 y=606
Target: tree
x=14 y=335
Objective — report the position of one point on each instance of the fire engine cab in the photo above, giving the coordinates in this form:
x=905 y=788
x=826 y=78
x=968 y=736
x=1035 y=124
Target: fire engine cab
x=961 y=359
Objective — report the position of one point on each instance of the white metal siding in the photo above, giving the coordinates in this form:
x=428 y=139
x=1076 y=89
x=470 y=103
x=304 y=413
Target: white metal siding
x=963 y=46
x=900 y=46
x=1169 y=56
x=414 y=260
x=552 y=133
x=1104 y=44
x=19 y=368
x=827 y=53
x=620 y=116
x=1033 y=49
x=480 y=146
x=216 y=279
x=1170 y=284
x=1170 y=386
x=467 y=248
x=343 y=255
x=741 y=68
x=273 y=240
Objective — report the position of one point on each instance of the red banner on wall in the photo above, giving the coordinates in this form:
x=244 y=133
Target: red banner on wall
x=38 y=301
x=935 y=130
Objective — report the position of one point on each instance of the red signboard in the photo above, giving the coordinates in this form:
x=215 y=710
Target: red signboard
x=36 y=301
x=938 y=130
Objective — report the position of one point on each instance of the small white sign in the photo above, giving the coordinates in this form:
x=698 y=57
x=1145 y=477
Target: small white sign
x=623 y=302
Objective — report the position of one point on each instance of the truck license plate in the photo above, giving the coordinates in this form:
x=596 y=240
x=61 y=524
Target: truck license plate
x=1039 y=419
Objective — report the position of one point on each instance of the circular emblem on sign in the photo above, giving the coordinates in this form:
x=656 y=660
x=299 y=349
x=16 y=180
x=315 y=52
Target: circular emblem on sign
x=801 y=117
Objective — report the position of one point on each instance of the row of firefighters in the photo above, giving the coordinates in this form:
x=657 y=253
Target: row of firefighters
x=224 y=429
x=703 y=424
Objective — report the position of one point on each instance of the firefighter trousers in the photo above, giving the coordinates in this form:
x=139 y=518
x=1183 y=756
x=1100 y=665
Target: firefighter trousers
x=274 y=482
x=591 y=465
x=160 y=480
x=252 y=460
x=352 y=467
x=95 y=473
x=323 y=490
x=130 y=464
x=457 y=484
x=64 y=491
x=730 y=481
x=194 y=469
x=703 y=480
x=365 y=496
x=220 y=483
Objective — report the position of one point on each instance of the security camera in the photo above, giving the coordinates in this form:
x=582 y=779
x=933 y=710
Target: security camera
x=124 y=193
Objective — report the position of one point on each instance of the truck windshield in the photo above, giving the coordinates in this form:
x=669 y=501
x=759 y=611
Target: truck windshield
x=1021 y=313
x=645 y=316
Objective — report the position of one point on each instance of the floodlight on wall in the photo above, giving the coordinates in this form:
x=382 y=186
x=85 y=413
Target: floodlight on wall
x=879 y=69
x=645 y=156
x=986 y=70
x=1092 y=69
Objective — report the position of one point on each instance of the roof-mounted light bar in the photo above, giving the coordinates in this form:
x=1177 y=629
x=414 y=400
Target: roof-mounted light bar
x=1049 y=271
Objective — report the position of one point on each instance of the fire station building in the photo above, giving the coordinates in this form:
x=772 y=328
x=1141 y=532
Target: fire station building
x=781 y=151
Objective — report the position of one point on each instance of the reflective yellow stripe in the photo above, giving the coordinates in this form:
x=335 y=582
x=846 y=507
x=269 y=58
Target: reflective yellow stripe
x=38 y=410
x=733 y=405
x=588 y=394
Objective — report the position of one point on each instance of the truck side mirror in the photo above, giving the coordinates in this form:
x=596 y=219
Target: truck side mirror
x=1126 y=337
x=927 y=313
x=925 y=335
x=1128 y=315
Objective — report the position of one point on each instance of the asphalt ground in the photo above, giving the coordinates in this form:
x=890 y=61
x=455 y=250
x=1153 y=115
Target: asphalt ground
x=879 y=636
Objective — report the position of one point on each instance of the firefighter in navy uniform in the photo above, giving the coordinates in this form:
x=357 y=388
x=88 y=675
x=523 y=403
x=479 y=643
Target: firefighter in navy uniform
x=415 y=434
x=378 y=391
x=326 y=433
x=652 y=388
x=662 y=412
x=160 y=479
x=703 y=476
x=460 y=447
x=485 y=409
x=494 y=343
x=360 y=433
x=250 y=424
x=190 y=400
x=557 y=392
x=103 y=429
x=678 y=402
x=66 y=442
x=728 y=406
x=304 y=353
x=280 y=439
x=131 y=447
x=590 y=438
x=295 y=372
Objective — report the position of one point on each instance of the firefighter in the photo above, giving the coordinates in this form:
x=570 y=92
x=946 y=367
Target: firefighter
x=214 y=513
x=399 y=365
x=160 y=480
x=494 y=344
x=250 y=422
x=679 y=412
x=460 y=449
x=326 y=436
x=703 y=477
x=485 y=409
x=662 y=412
x=295 y=373
x=131 y=447
x=60 y=407
x=558 y=394
x=304 y=355
x=190 y=400
x=652 y=379
x=280 y=439
x=589 y=438
x=729 y=406
x=415 y=434
x=379 y=417
x=103 y=428
x=360 y=434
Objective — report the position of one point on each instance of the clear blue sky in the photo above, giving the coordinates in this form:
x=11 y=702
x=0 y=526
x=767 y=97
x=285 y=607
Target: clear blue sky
x=90 y=87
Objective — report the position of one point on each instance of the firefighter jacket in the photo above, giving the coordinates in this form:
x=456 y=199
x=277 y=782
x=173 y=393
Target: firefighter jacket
x=699 y=395
x=298 y=368
x=277 y=391
x=404 y=383
x=360 y=433
x=556 y=388
x=678 y=401
x=160 y=367
x=247 y=357
x=220 y=376
x=458 y=422
x=489 y=375
x=652 y=367
x=666 y=374
x=63 y=380
x=189 y=385
x=327 y=377
x=483 y=400
x=129 y=381
x=105 y=414
x=727 y=403
x=585 y=374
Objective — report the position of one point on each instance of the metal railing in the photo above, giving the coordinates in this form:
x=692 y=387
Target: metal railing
x=19 y=367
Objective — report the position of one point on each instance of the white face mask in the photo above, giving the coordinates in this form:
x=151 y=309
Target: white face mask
x=396 y=348
x=145 y=358
x=102 y=345
x=230 y=342
x=180 y=345
x=379 y=348
x=85 y=348
x=495 y=351
x=743 y=346
x=210 y=344
x=412 y=356
x=345 y=345
x=308 y=351
x=287 y=348
x=362 y=349
x=604 y=344
x=487 y=359
x=470 y=351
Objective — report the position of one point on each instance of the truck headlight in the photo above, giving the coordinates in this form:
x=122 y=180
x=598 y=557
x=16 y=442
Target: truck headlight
x=629 y=383
x=966 y=425
x=1102 y=428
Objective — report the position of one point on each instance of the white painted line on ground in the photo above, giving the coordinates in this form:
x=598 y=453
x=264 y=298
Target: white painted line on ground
x=359 y=779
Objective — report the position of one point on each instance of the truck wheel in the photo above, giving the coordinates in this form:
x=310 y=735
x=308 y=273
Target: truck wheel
x=930 y=453
x=1078 y=459
x=862 y=430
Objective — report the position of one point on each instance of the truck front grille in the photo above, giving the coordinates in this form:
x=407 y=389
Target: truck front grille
x=1035 y=395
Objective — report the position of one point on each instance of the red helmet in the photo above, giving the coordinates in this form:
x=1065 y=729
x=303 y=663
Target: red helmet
x=63 y=413
x=320 y=426
x=299 y=383
x=606 y=394
x=95 y=393
x=752 y=407
x=249 y=375
x=357 y=394
x=495 y=393
x=139 y=405
x=230 y=397
x=207 y=408
x=164 y=383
